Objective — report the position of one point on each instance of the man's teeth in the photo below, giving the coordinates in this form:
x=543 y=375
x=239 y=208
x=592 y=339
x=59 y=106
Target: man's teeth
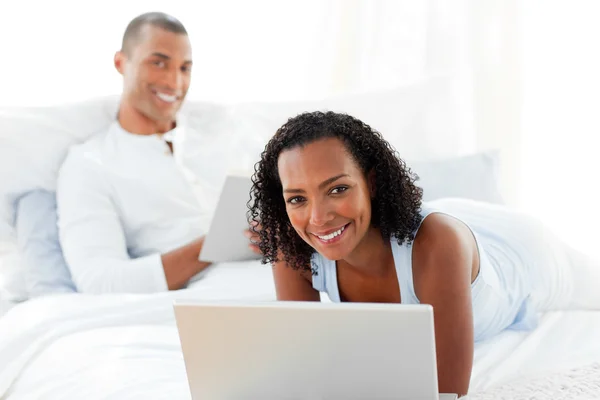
x=166 y=97
x=332 y=235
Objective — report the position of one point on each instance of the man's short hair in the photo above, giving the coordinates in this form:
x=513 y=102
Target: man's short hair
x=157 y=19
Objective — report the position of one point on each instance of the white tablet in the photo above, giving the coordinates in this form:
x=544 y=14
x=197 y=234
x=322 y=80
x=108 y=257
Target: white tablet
x=225 y=240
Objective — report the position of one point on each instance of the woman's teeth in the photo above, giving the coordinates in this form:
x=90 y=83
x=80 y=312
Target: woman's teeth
x=332 y=235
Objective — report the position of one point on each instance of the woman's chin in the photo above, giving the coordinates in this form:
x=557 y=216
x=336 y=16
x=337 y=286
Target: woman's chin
x=332 y=254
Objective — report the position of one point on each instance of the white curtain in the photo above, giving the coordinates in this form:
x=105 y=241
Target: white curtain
x=561 y=117
x=536 y=93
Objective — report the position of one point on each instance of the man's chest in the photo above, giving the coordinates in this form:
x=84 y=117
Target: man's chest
x=151 y=190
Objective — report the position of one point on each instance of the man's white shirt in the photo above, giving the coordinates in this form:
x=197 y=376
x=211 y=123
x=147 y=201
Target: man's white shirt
x=124 y=199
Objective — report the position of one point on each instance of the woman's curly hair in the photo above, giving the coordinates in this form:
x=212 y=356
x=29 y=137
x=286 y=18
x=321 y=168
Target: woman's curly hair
x=395 y=208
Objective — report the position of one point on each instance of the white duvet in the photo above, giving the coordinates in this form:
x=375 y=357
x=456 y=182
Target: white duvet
x=127 y=347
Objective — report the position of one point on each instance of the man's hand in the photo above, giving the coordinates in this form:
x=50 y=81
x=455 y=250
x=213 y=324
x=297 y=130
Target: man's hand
x=182 y=264
x=253 y=237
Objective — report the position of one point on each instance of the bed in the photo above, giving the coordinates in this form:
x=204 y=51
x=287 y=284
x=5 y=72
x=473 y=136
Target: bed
x=115 y=346
x=77 y=346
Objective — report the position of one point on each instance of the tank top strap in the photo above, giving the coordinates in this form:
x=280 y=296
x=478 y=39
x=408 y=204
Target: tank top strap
x=403 y=260
x=318 y=275
x=324 y=278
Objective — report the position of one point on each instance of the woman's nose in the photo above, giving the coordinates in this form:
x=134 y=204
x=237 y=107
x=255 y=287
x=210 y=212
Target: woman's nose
x=320 y=214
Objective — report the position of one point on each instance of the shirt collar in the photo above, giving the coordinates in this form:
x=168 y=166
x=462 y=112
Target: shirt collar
x=174 y=136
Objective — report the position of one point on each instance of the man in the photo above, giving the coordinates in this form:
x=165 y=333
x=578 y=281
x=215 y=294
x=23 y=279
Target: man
x=129 y=217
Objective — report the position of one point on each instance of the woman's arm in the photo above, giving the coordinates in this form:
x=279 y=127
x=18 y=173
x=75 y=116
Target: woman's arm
x=293 y=284
x=444 y=258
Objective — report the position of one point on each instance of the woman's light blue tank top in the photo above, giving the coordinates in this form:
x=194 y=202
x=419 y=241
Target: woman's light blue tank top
x=499 y=293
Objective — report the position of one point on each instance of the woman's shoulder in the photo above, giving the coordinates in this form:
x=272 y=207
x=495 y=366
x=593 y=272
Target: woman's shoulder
x=443 y=247
x=442 y=233
x=440 y=226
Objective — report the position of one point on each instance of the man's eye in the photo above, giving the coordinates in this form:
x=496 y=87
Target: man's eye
x=159 y=63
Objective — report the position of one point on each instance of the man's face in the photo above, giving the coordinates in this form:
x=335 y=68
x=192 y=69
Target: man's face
x=156 y=73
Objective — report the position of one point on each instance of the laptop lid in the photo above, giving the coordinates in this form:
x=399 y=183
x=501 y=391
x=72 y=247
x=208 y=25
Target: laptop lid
x=308 y=350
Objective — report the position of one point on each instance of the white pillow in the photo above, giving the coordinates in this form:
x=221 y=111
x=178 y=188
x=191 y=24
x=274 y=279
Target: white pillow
x=34 y=144
x=474 y=176
x=13 y=285
x=422 y=120
x=46 y=271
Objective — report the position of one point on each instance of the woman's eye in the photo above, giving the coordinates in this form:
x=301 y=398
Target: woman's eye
x=295 y=200
x=339 y=189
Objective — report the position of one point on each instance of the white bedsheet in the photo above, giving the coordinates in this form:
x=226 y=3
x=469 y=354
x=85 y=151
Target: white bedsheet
x=65 y=346
x=564 y=340
x=581 y=383
x=126 y=347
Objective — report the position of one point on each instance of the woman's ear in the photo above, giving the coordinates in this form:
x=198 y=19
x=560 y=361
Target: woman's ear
x=372 y=184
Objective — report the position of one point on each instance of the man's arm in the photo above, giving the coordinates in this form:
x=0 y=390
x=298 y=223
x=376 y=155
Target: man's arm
x=94 y=245
x=182 y=264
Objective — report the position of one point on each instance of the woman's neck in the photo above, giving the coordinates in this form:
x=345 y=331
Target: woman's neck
x=373 y=255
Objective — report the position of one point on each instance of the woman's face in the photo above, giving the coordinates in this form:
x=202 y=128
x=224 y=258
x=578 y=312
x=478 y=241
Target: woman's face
x=327 y=196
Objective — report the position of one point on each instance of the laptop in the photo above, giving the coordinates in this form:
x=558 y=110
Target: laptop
x=308 y=350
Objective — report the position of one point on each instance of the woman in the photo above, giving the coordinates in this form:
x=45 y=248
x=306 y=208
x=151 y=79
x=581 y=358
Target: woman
x=341 y=214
